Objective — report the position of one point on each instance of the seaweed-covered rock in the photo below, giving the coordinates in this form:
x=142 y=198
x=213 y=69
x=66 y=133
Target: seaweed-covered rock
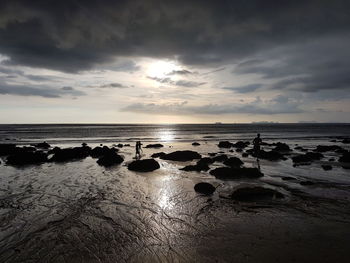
x=205 y=160
x=233 y=173
x=182 y=156
x=158 y=155
x=68 y=154
x=225 y=144
x=204 y=188
x=346 y=141
x=42 y=145
x=327 y=167
x=100 y=151
x=345 y=158
x=233 y=162
x=256 y=193
x=26 y=157
x=241 y=144
x=327 y=148
x=6 y=149
x=220 y=158
x=196 y=144
x=156 y=145
x=145 y=165
x=307 y=157
x=110 y=158
x=281 y=147
x=197 y=167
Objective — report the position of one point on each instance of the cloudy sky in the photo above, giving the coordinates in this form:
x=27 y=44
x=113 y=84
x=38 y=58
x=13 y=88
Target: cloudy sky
x=193 y=61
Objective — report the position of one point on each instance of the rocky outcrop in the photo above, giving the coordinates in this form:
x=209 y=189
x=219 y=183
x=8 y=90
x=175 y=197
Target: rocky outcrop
x=220 y=158
x=345 y=158
x=281 y=147
x=241 y=144
x=182 y=156
x=196 y=144
x=145 y=165
x=156 y=145
x=27 y=157
x=110 y=158
x=328 y=148
x=307 y=158
x=69 y=154
x=233 y=162
x=158 y=155
x=225 y=144
x=204 y=188
x=256 y=193
x=234 y=173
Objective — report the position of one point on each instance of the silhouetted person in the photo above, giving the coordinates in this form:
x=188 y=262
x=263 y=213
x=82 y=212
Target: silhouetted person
x=138 y=150
x=257 y=142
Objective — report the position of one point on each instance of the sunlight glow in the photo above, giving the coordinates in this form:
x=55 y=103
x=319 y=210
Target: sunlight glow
x=161 y=69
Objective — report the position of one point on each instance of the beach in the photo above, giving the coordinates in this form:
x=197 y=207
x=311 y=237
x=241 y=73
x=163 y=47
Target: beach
x=78 y=210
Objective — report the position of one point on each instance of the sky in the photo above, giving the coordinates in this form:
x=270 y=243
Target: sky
x=159 y=61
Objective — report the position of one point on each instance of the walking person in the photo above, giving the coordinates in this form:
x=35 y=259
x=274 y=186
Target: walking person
x=256 y=143
x=138 y=150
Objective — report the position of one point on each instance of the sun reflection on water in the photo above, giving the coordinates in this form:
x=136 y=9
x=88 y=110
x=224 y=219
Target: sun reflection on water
x=166 y=136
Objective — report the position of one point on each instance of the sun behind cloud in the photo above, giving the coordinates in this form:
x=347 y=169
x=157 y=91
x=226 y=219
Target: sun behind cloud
x=161 y=68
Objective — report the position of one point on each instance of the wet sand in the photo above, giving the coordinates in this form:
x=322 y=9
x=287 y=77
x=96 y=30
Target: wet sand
x=82 y=212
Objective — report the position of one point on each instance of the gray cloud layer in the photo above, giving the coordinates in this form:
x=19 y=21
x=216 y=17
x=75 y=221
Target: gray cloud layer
x=277 y=105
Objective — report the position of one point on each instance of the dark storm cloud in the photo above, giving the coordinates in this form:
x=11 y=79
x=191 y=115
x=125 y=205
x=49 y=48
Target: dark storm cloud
x=38 y=91
x=77 y=35
x=277 y=105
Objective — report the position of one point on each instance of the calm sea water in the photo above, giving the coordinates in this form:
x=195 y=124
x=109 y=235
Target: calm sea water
x=104 y=133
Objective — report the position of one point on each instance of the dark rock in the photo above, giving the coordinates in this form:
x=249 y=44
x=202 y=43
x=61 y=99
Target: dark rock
x=156 y=145
x=158 y=155
x=233 y=173
x=298 y=148
x=100 y=151
x=54 y=150
x=346 y=141
x=26 y=157
x=110 y=158
x=245 y=154
x=231 y=151
x=233 y=162
x=126 y=145
x=145 y=165
x=211 y=154
x=120 y=145
x=196 y=144
x=281 y=147
x=68 y=154
x=341 y=151
x=204 y=188
x=181 y=156
x=42 y=145
x=197 y=167
x=256 y=193
x=239 y=150
x=6 y=149
x=241 y=144
x=327 y=148
x=307 y=157
x=205 y=160
x=333 y=140
x=327 y=167
x=331 y=159
x=84 y=144
x=307 y=183
x=345 y=158
x=220 y=158
x=225 y=144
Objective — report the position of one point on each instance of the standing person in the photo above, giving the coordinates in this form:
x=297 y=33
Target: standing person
x=257 y=142
x=138 y=150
